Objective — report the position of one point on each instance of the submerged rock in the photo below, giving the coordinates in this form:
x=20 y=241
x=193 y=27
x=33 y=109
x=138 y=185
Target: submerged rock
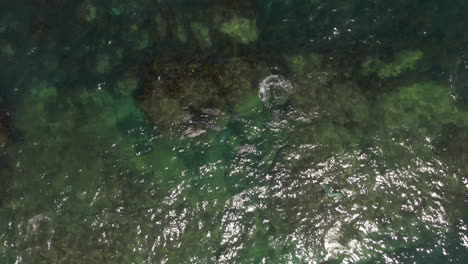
x=191 y=132
x=216 y=127
x=197 y=94
x=248 y=148
x=211 y=111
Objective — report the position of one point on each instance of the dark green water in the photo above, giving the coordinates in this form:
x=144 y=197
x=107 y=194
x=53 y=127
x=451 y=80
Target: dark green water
x=133 y=131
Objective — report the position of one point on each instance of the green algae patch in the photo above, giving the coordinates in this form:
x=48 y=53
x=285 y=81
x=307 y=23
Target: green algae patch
x=108 y=116
x=427 y=105
x=344 y=103
x=137 y=37
x=88 y=11
x=36 y=115
x=296 y=63
x=127 y=86
x=116 y=11
x=166 y=162
x=144 y=41
x=111 y=109
x=403 y=61
x=247 y=106
x=181 y=33
x=202 y=34
x=7 y=50
x=44 y=90
x=304 y=64
x=161 y=26
x=241 y=30
x=103 y=64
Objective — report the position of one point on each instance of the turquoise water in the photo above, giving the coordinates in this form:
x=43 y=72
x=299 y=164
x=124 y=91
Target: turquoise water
x=275 y=131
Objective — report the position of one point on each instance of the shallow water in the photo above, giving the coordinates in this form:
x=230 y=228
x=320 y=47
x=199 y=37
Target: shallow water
x=271 y=131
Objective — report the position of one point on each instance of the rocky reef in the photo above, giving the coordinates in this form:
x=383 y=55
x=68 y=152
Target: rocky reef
x=152 y=131
x=179 y=95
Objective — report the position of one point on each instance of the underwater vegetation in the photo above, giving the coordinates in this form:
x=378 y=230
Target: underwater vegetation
x=422 y=105
x=182 y=94
x=404 y=60
x=240 y=29
x=233 y=131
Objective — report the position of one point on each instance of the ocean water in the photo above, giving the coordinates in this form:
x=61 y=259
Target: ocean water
x=268 y=131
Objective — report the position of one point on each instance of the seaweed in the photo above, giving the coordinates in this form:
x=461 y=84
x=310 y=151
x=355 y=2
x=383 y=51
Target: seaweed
x=403 y=61
x=421 y=105
x=240 y=29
